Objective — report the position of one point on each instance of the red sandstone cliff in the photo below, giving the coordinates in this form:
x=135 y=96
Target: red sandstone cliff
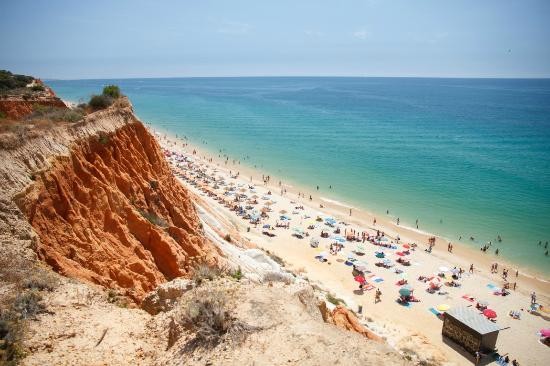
x=20 y=106
x=106 y=207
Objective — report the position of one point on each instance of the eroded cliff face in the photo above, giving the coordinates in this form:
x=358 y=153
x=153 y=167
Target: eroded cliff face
x=109 y=210
x=17 y=106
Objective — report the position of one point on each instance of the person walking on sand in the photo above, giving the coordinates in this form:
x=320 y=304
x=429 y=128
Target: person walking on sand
x=533 y=298
x=417 y=223
x=377 y=295
x=350 y=211
x=374 y=221
x=398 y=221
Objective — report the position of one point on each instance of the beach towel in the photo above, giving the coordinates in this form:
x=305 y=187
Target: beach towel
x=491 y=286
x=434 y=311
x=378 y=279
x=368 y=287
x=468 y=298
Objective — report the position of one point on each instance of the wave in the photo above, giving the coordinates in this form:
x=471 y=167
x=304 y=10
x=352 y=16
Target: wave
x=338 y=203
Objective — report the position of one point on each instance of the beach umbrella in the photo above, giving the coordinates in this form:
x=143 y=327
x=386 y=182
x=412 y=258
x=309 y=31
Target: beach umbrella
x=330 y=220
x=298 y=230
x=443 y=307
x=490 y=313
x=483 y=303
x=384 y=238
x=361 y=267
x=359 y=279
x=386 y=261
x=443 y=269
x=405 y=290
x=406 y=246
x=360 y=249
x=322 y=254
x=545 y=332
x=404 y=275
x=314 y=242
x=339 y=239
x=266 y=226
x=379 y=255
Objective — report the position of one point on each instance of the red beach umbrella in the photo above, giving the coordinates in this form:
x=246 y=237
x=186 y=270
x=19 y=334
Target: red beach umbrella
x=490 y=313
x=359 y=279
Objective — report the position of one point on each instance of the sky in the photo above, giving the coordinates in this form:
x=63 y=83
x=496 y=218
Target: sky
x=424 y=38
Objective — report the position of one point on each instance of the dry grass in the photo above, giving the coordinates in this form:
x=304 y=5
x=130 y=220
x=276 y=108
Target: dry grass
x=277 y=277
x=205 y=272
x=23 y=285
x=208 y=316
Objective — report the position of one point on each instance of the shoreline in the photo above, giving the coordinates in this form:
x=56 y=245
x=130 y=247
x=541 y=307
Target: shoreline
x=363 y=216
x=404 y=327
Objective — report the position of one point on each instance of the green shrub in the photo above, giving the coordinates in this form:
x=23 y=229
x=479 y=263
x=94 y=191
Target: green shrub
x=98 y=102
x=238 y=274
x=9 y=81
x=38 y=87
x=112 y=91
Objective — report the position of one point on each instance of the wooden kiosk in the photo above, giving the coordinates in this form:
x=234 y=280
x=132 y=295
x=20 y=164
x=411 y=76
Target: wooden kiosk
x=470 y=329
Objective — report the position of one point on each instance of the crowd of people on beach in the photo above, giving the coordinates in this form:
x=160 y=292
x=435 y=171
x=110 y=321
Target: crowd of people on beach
x=247 y=201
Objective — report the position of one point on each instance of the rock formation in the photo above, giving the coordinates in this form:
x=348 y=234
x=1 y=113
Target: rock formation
x=344 y=318
x=104 y=204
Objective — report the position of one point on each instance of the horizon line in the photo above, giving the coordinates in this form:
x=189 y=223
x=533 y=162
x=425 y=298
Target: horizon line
x=306 y=76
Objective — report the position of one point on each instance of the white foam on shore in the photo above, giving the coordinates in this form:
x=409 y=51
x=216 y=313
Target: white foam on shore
x=335 y=202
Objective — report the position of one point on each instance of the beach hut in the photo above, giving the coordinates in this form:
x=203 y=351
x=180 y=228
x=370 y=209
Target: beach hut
x=471 y=330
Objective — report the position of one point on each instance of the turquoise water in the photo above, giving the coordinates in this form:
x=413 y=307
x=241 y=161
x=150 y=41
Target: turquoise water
x=466 y=157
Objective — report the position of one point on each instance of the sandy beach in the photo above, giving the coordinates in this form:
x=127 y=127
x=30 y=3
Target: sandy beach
x=518 y=338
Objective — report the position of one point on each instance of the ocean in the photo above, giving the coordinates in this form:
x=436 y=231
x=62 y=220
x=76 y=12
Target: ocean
x=466 y=157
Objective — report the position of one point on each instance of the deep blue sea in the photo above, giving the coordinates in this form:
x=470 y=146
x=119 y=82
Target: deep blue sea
x=467 y=157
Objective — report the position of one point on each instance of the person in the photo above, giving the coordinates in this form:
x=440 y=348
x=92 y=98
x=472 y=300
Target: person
x=478 y=357
x=350 y=211
x=417 y=223
x=533 y=298
x=377 y=296
x=398 y=221
x=472 y=268
x=374 y=221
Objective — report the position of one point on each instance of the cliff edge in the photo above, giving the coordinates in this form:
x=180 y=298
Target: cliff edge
x=103 y=204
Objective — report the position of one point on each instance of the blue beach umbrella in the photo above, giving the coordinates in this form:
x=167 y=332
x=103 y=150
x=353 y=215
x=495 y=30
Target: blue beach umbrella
x=339 y=239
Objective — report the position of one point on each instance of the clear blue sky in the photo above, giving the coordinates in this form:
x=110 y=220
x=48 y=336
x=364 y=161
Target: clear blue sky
x=116 y=39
